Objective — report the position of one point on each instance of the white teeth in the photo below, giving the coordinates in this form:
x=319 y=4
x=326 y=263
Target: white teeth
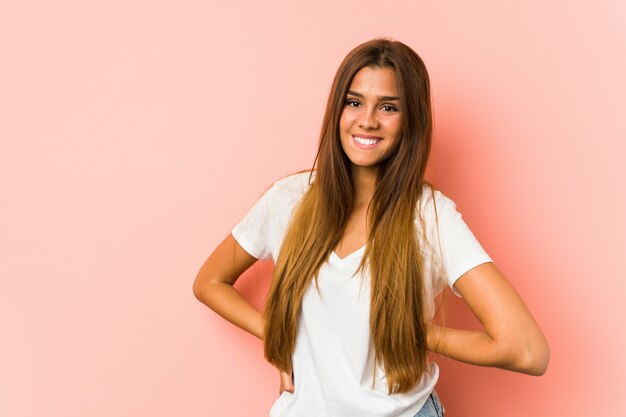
x=364 y=141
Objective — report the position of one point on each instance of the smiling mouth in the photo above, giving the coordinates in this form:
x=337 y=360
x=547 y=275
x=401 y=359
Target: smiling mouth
x=367 y=141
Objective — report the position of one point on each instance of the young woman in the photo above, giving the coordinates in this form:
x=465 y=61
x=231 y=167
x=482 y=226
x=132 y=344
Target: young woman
x=362 y=244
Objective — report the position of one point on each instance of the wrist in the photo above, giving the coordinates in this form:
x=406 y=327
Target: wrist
x=261 y=327
x=432 y=338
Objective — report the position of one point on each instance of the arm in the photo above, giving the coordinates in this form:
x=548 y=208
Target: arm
x=213 y=286
x=512 y=339
x=214 y=283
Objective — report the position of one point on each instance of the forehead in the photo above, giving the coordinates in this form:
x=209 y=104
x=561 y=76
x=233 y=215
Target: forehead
x=375 y=82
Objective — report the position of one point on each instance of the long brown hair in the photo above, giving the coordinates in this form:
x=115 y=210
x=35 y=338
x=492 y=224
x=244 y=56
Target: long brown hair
x=398 y=321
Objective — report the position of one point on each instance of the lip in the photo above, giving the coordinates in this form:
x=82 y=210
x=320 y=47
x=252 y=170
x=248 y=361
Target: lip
x=363 y=146
x=366 y=136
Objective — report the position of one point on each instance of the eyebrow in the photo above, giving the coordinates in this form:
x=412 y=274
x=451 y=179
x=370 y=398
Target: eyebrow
x=380 y=98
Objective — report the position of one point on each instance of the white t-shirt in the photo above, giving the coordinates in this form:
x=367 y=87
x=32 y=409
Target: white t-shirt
x=333 y=360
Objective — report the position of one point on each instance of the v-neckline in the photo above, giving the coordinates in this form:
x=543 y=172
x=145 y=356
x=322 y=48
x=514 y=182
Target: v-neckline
x=335 y=259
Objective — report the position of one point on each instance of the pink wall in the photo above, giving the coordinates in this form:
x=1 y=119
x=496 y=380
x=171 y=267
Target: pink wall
x=136 y=134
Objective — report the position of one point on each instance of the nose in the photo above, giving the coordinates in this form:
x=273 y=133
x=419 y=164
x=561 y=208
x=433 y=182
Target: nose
x=368 y=119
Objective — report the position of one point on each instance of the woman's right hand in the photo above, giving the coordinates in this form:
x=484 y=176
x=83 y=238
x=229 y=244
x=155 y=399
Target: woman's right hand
x=286 y=382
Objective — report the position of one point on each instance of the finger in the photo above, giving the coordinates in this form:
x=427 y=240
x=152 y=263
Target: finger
x=281 y=388
x=286 y=382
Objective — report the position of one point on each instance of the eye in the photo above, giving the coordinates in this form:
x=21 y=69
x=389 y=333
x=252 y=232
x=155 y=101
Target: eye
x=352 y=102
x=389 y=108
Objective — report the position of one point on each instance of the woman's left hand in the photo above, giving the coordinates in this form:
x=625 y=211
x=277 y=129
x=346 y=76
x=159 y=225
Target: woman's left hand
x=286 y=382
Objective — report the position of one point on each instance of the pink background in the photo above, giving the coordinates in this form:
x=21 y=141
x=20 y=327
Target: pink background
x=136 y=134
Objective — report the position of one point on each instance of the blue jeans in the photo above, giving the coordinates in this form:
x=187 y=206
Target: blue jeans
x=432 y=407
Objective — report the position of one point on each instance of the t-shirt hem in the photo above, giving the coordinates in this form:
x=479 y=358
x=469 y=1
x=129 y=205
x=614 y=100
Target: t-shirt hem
x=246 y=243
x=461 y=269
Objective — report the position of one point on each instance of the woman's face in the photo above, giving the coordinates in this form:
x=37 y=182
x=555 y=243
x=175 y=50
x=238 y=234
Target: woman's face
x=371 y=120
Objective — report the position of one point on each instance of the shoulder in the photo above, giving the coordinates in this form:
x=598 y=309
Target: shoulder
x=292 y=185
x=283 y=193
x=433 y=202
x=295 y=180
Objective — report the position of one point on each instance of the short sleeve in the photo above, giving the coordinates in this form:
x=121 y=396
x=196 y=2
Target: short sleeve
x=253 y=231
x=460 y=250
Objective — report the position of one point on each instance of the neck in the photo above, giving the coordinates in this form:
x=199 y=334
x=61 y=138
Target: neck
x=364 y=183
